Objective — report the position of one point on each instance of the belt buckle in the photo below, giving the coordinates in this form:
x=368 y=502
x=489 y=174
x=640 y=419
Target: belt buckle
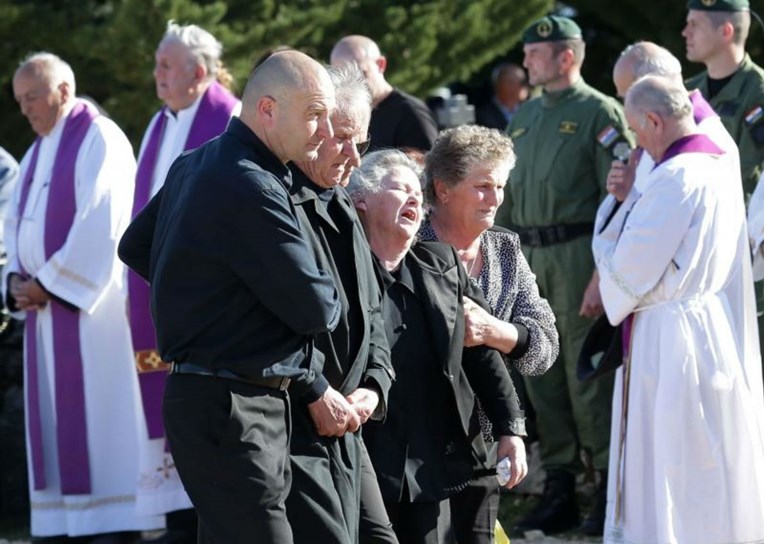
x=535 y=236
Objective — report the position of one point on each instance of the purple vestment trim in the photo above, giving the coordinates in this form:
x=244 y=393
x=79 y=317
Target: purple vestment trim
x=627 y=334
x=210 y=120
x=693 y=143
x=701 y=108
x=71 y=423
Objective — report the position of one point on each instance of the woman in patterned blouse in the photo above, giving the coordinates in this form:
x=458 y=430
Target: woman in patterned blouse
x=465 y=175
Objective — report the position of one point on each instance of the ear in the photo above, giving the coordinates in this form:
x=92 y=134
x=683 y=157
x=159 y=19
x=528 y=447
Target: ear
x=656 y=119
x=200 y=73
x=65 y=91
x=442 y=191
x=382 y=63
x=566 y=58
x=266 y=109
x=361 y=205
x=727 y=32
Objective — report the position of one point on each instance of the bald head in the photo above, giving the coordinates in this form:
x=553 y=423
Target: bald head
x=364 y=53
x=287 y=103
x=645 y=59
x=354 y=48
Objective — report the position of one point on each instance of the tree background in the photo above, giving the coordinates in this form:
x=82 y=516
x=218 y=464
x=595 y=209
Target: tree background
x=110 y=43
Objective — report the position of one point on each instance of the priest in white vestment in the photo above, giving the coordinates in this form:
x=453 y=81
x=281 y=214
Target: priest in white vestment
x=687 y=452
x=196 y=108
x=83 y=410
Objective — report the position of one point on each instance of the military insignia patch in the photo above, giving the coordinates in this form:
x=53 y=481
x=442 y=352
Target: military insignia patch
x=568 y=127
x=754 y=115
x=544 y=29
x=607 y=136
x=518 y=132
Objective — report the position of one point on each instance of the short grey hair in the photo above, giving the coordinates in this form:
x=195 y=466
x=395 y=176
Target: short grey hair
x=458 y=150
x=650 y=59
x=51 y=68
x=203 y=48
x=659 y=95
x=366 y=179
x=352 y=95
x=740 y=20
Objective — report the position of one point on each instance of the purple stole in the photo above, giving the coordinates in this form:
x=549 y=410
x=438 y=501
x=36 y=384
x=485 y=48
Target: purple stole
x=693 y=143
x=701 y=108
x=71 y=425
x=211 y=119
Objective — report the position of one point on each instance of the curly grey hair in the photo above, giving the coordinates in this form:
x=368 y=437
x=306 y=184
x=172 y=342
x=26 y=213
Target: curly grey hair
x=458 y=150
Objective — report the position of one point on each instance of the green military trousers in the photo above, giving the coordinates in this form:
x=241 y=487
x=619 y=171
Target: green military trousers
x=570 y=415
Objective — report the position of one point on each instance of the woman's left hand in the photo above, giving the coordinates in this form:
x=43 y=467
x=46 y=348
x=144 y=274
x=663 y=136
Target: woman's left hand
x=479 y=324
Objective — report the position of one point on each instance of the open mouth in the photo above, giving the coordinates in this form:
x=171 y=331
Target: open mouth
x=410 y=214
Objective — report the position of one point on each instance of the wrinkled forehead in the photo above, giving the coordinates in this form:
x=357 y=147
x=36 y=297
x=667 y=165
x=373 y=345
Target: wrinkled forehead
x=401 y=176
x=29 y=76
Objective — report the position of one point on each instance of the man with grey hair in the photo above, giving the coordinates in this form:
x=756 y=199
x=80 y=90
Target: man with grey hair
x=688 y=410
x=191 y=81
x=399 y=120
x=82 y=398
x=326 y=451
x=715 y=34
x=237 y=297
x=511 y=88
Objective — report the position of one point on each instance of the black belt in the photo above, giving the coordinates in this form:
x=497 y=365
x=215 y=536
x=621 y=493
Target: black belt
x=190 y=368
x=554 y=234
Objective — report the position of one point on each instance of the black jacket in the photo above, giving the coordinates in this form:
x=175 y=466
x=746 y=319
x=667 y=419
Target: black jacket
x=234 y=283
x=346 y=367
x=441 y=281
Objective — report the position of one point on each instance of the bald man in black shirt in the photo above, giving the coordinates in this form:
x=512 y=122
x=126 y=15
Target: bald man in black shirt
x=236 y=296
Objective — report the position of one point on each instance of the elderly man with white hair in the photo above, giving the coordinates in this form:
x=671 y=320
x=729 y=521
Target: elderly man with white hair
x=82 y=399
x=687 y=457
x=192 y=82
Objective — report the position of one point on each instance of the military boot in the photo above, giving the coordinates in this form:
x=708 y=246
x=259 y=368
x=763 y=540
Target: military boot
x=596 y=519
x=556 y=510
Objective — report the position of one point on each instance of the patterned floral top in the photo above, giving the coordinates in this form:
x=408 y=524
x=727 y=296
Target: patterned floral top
x=511 y=290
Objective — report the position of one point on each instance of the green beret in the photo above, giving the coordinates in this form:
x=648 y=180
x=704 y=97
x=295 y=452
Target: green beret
x=552 y=29
x=719 y=5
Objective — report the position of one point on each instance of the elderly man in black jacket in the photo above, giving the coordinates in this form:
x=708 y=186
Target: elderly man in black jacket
x=236 y=295
x=430 y=441
x=326 y=450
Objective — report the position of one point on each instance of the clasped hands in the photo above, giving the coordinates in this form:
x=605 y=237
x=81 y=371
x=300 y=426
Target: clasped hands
x=27 y=293
x=334 y=415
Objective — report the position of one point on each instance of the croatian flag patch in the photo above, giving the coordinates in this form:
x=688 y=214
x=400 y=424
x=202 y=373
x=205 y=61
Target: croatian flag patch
x=607 y=136
x=754 y=115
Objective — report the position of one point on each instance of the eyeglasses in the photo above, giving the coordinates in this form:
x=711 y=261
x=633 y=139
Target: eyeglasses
x=362 y=147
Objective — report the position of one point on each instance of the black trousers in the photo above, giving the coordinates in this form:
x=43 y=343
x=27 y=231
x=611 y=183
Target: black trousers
x=474 y=511
x=230 y=443
x=374 y=525
x=421 y=522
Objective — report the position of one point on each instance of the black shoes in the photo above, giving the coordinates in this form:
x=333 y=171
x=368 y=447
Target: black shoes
x=557 y=510
x=594 y=522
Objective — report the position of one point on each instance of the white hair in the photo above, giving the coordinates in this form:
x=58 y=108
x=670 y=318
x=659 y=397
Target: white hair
x=367 y=178
x=51 y=68
x=650 y=59
x=203 y=48
x=659 y=95
x=352 y=95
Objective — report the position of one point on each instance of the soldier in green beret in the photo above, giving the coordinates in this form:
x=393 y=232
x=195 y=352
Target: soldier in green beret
x=565 y=140
x=715 y=34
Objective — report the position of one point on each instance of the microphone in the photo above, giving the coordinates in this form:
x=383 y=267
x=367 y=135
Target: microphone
x=622 y=152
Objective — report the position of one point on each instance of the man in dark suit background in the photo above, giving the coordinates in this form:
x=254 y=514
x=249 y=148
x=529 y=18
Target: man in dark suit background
x=511 y=88
x=236 y=296
x=430 y=441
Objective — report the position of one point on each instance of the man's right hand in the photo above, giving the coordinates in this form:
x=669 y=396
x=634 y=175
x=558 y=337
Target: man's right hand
x=332 y=415
x=621 y=177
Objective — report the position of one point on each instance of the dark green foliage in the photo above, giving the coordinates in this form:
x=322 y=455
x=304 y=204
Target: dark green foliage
x=110 y=43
